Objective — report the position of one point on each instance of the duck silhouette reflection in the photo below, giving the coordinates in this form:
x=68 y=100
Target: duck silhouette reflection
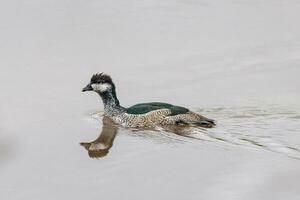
x=100 y=147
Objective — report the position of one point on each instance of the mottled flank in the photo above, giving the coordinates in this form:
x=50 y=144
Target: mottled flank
x=143 y=108
x=162 y=117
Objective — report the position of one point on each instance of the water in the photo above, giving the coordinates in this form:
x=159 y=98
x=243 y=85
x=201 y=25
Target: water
x=234 y=61
x=269 y=128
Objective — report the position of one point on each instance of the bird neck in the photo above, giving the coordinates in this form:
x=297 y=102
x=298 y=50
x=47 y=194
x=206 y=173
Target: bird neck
x=111 y=102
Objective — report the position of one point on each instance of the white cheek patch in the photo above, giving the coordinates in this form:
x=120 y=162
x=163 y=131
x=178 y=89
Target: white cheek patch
x=101 y=87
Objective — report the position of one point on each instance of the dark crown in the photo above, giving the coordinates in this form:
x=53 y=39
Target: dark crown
x=101 y=78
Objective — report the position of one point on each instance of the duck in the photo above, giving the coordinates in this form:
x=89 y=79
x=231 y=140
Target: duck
x=142 y=115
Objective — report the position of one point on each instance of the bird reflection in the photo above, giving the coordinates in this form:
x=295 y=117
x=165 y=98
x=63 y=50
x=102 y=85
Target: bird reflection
x=100 y=147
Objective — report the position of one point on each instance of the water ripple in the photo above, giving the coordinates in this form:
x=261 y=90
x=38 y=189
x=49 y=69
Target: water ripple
x=273 y=129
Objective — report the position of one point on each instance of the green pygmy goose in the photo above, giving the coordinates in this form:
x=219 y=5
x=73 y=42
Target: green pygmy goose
x=143 y=114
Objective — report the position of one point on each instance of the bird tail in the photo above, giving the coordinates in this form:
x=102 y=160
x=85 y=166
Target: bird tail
x=206 y=123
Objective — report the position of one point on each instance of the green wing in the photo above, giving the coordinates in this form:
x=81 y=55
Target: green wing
x=143 y=108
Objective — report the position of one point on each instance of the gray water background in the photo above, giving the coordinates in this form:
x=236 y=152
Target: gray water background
x=234 y=61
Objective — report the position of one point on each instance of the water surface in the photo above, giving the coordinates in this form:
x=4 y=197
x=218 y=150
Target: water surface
x=233 y=61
